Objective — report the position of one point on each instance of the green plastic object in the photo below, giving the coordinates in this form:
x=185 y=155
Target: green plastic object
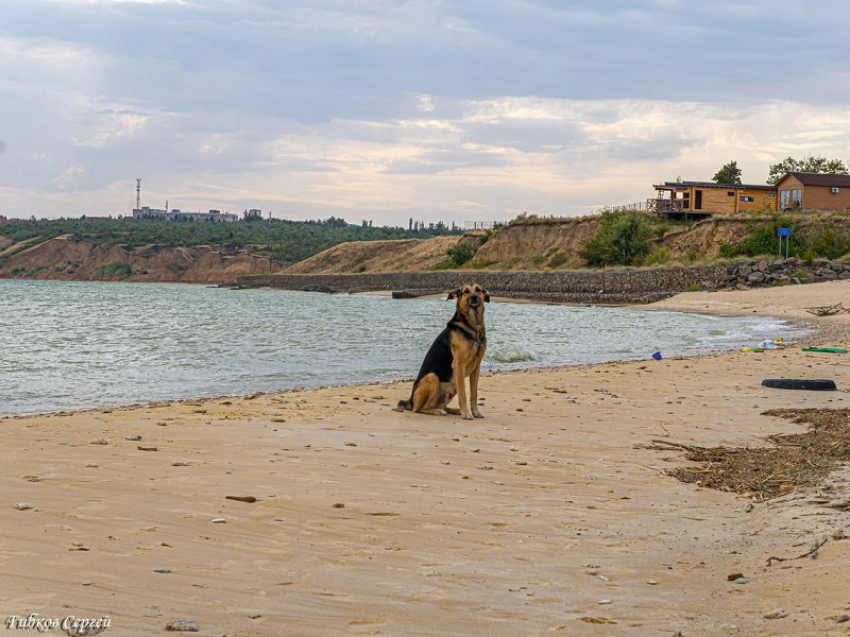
x=829 y=350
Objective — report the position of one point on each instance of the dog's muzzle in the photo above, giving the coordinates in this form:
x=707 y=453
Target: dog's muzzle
x=474 y=300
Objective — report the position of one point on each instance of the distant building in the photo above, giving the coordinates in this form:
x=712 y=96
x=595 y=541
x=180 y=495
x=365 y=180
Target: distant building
x=174 y=214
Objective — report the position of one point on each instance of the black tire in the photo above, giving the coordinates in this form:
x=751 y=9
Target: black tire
x=813 y=384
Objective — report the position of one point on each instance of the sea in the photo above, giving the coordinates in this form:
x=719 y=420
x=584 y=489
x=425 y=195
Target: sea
x=68 y=346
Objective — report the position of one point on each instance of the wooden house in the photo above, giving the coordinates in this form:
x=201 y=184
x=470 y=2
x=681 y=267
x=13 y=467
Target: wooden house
x=814 y=191
x=700 y=199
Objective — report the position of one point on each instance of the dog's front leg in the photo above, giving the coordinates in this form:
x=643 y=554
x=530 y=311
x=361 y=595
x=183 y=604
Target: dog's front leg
x=463 y=403
x=473 y=391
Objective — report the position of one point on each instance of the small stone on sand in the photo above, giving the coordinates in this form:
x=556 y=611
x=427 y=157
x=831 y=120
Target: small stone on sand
x=776 y=614
x=183 y=626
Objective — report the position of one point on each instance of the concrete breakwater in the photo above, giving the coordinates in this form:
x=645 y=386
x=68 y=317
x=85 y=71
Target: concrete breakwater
x=599 y=287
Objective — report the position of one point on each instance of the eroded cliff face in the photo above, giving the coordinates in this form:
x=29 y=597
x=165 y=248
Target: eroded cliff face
x=65 y=259
x=537 y=244
x=403 y=255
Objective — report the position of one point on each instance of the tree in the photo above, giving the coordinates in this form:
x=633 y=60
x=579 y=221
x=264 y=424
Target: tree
x=729 y=174
x=806 y=165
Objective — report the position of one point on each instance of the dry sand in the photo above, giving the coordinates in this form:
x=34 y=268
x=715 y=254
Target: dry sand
x=545 y=517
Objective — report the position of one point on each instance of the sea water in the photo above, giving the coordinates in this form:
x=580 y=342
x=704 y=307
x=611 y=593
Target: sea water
x=80 y=345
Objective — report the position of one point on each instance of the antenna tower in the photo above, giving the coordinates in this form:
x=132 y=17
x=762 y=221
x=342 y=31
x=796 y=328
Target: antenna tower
x=138 y=193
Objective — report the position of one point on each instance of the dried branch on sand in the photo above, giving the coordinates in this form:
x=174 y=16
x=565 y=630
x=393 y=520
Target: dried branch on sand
x=767 y=472
x=827 y=310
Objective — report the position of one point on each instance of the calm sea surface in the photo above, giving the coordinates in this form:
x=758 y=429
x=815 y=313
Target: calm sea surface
x=67 y=345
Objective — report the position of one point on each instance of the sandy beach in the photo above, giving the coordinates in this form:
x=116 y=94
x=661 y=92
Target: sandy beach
x=548 y=516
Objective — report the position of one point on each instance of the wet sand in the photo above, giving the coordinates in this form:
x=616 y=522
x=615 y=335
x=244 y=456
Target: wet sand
x=547 y=516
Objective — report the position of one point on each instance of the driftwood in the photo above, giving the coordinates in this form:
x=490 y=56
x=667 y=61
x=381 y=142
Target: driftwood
x=827 y=310
x=813 y=553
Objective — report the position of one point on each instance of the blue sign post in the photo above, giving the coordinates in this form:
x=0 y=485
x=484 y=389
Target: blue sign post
x=784 y=232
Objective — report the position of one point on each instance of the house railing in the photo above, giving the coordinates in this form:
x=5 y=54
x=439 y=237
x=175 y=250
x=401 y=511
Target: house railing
x=650 y=205
x=663 y=205
x=640 y=206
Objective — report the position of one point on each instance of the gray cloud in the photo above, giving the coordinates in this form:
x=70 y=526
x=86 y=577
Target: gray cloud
x=252 y=94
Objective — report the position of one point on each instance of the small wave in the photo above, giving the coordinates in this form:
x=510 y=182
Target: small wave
x=512 y=357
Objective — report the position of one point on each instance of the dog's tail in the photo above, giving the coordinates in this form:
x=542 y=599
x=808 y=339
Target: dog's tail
x=405 y=405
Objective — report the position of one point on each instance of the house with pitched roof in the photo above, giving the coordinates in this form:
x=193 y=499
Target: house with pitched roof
x=703 y=199
x=814 y=191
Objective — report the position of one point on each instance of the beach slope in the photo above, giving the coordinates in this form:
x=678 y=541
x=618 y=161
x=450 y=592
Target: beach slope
x=550 y=515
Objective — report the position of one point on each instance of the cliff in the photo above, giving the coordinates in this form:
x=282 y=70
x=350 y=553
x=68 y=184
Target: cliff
x=535 y=245
x=65 y=259
x=403 y=255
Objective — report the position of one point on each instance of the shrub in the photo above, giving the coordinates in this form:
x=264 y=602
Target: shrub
x=659 y=256
x=460 y=253
x=116 y=269
x=622 y=239
x=557 y=260
x=488 y=234
x=761 y=239
x=807 y=242
x=692 y=255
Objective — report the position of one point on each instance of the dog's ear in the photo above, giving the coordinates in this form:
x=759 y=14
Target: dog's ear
x=486 y=295
x=453 y=294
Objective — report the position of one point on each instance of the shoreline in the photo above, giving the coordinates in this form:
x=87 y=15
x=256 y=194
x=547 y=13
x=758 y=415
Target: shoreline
x=548 y=515
x=815 y=337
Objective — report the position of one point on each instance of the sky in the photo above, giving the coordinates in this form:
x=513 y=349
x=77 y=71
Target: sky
x=382 y=110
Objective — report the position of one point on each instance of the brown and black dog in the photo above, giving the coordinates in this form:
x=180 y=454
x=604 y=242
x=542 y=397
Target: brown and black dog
x=455 y=355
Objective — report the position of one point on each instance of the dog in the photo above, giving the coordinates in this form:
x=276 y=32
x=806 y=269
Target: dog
x=455 y=355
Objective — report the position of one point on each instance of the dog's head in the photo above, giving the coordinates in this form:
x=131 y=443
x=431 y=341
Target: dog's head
x=470 y=298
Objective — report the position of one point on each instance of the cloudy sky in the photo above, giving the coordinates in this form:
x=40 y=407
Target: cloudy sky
x=453 y=110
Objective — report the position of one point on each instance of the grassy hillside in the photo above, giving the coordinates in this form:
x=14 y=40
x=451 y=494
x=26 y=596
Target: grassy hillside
x=287 y=241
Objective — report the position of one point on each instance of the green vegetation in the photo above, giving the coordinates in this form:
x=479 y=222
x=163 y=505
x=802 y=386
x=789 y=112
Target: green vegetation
x=20 y=248
x=283 y=240
x=808 y=241
x=659 y=256
x=622 y=239
x=557 y=260
x=806 y=165
x=460 y=253
x=488 y=234
x=729 y=174
x=116 y=269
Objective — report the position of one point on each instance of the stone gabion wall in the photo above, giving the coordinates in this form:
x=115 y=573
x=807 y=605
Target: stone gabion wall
x=614 y=286
x=747 y=274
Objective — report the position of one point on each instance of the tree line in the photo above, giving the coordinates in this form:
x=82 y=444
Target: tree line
x=287 y=241
x=731 y=174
